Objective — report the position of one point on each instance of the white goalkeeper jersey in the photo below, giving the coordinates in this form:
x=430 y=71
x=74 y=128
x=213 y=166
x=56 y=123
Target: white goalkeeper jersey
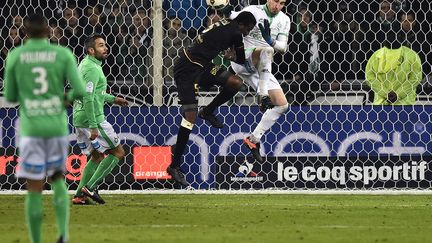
x=279 y=25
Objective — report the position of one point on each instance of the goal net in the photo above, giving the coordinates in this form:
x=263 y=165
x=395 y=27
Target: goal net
x=332 y=137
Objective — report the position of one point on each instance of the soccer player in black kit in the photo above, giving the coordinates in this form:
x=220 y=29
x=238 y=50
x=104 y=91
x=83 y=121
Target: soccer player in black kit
x=195 y=68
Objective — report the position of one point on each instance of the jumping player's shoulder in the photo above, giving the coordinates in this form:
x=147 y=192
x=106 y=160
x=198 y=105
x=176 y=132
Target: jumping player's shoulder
x=284 y=17
x=252 y=8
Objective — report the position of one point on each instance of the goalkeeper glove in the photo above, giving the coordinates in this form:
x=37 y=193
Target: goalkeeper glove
x=265 y=32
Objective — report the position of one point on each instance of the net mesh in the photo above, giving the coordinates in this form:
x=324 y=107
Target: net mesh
x=330 y=138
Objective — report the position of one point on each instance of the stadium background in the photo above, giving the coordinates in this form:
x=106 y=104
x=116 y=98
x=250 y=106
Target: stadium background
x=330 y=124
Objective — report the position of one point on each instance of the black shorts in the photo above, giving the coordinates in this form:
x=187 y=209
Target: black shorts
x=189 y=77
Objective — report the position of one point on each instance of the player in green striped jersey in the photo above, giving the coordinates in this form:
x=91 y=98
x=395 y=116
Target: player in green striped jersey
x=35 y=77
x=95 y=136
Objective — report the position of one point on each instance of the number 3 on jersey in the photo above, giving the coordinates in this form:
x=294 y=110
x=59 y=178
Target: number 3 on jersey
x=41 y=79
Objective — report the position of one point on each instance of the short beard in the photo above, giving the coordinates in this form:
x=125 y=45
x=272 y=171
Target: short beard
x=100 y=58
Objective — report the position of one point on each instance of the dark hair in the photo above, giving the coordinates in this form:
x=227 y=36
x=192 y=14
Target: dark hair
x=36 y=25
x=90 y=41
x=245 y=18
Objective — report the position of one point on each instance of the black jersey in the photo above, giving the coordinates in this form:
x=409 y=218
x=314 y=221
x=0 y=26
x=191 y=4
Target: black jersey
x=216 y=38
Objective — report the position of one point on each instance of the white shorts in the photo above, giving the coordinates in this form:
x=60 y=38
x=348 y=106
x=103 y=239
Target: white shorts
x=42 y=157
x=107 y=138
x=252 y=78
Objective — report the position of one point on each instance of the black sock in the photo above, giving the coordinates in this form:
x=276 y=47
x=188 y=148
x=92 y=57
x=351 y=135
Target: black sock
x=226 y=94
x=182 y=139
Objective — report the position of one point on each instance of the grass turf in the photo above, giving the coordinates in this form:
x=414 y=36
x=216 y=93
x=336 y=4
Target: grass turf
x=233 y=218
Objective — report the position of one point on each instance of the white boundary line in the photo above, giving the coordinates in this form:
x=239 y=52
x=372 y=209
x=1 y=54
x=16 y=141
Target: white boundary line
x=246 y=192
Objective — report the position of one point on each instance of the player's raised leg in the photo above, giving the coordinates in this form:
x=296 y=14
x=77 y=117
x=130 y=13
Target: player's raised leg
x=269 y=118
x=270 y=35
x=231 y=85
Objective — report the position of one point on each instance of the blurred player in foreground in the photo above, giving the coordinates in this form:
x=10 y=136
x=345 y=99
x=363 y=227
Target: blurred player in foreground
x=34 y=77
x=194 y=68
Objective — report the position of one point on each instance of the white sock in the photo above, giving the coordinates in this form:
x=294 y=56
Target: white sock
x=264 y=69
x=268 y=119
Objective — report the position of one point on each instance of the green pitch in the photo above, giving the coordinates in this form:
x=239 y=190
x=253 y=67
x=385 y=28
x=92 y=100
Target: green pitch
x=234 y=218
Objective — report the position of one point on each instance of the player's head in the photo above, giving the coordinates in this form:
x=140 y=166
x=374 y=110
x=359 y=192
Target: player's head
x=36 y=26
x=246 y=22
x=275 y=6
x=96 y=47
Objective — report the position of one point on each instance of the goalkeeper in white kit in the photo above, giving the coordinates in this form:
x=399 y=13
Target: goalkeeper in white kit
x=269 y=35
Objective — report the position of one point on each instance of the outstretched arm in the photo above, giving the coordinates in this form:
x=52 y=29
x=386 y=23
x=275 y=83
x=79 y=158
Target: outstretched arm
x=279 y=44
x=111 y=99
